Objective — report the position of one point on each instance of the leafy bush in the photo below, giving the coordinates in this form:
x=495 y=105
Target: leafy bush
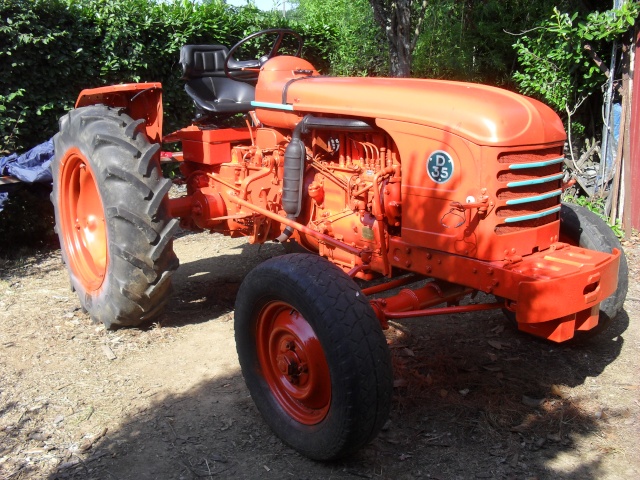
x=555 y=65
x=51 y=49
x=472 y=41
x=46 y=52
x=597 y=205
x=357 y=44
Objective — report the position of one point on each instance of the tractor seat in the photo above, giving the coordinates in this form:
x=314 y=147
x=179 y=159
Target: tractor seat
x=212 y=92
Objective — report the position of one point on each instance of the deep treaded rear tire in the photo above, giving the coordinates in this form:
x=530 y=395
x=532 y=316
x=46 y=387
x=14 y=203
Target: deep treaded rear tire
x=115 y=231
x=304 y=308
x=580 y=226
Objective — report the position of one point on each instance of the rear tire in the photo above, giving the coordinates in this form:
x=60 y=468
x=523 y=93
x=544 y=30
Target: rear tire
x=313 y=355
x=115 y=231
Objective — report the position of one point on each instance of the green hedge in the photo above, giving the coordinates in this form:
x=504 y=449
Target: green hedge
x=52 y=49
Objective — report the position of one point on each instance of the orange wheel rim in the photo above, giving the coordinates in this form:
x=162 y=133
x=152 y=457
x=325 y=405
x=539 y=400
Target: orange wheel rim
x=293 y=363
x=82 y=221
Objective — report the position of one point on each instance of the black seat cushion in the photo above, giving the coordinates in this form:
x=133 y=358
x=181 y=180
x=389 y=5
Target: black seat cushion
x=206 y=83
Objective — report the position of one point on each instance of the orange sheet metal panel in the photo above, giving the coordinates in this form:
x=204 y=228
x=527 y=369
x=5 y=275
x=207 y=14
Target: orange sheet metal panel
x=475 y=173
x=210 y=147
x=141 y=100
x=485 y=115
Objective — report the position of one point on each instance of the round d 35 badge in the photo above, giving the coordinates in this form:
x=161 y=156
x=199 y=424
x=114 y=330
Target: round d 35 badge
x=440 y=166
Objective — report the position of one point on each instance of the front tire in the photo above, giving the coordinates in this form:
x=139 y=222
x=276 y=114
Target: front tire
x=313 y=355
x=115 y=231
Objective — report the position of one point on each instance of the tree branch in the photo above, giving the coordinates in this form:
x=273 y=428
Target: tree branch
x=594 y=56
x=383 y=17
x=523 y=33
x=379 y=12
x=423 y=9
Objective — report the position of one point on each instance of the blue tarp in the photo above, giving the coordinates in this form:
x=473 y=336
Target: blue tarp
x=30 y=167
x=616 y=113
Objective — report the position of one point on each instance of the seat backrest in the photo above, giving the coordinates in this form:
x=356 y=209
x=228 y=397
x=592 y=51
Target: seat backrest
x=213 y=93
x=200 y=61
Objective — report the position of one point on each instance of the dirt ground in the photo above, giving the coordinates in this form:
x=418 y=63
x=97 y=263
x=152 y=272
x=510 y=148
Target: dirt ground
x=472 y=397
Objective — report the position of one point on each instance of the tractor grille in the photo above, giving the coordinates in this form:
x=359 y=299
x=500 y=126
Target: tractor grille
x=530 y=188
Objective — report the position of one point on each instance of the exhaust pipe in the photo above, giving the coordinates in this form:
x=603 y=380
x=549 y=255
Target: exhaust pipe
x=294 y=160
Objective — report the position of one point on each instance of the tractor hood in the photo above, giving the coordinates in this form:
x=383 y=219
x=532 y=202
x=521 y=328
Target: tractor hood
x=479 y=113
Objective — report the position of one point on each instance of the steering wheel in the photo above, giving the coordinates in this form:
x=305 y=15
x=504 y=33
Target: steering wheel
x=248 y=70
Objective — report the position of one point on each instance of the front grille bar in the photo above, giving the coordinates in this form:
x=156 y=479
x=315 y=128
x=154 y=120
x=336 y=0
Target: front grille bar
x=518 y=201
x=535 y=181
x=533 y=216
x=546 y=163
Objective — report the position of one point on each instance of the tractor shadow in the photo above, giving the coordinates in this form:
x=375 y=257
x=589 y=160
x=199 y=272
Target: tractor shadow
x=473 y=383
x=472 y=396
x=205 y=287
x=458 y=412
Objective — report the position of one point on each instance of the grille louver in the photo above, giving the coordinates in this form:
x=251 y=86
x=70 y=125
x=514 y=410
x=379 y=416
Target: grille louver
x=530 y=189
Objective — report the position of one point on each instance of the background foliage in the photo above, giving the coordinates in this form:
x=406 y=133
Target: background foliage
x=52 y=49
x=357 y=47
x=553 y=61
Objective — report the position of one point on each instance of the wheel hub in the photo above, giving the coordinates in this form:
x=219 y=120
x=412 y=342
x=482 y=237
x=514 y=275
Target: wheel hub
x=289 y=363
x=82 y=221
x=293 y=363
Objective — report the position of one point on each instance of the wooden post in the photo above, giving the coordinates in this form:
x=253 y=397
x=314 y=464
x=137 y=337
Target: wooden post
x=634 y=139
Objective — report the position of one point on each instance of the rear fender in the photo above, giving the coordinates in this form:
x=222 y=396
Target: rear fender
x=139 y=100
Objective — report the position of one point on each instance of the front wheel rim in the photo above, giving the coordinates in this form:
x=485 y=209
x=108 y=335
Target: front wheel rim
x=82 y=222
x=293 y=363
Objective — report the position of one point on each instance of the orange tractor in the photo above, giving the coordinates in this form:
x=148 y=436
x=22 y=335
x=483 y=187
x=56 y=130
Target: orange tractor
x=445 y=189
